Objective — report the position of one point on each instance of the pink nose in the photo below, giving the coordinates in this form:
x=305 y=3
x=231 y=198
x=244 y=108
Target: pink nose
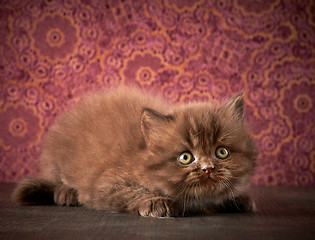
x=208 y=170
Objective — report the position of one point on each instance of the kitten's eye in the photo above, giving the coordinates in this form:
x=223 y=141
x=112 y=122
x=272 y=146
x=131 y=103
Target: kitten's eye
x=186 y=158
x=221 y=153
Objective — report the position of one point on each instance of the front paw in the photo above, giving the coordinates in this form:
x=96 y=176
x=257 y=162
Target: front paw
x=158 y=207
x=241 y=203
x=66 y=196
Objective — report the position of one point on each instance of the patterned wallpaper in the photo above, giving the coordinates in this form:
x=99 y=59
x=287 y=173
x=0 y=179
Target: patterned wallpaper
x=54 y=52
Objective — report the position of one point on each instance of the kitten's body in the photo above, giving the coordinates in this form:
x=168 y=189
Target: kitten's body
x=119 y=151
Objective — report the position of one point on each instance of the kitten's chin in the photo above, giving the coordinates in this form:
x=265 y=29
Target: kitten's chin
x=215 y=186
x=208 y=185
x=207 y=191
x=209 y=180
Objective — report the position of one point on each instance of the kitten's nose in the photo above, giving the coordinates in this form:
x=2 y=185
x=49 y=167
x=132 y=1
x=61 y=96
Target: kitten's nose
x=208 y=170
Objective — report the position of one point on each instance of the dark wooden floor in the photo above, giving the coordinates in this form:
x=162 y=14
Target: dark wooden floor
x=283 y=213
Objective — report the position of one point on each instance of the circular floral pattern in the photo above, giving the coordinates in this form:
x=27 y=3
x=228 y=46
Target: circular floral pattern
x=298 y=101
x=20 y=41
x=185 y=82
x=59 y=72
x=54 y=37
x=13 y=92
x=150 y=63
x=31 y=95
x=111 y=79
x=305 y=144
x=41 y=69
x=144 y=75
x=303 y=103
x=27 y=58
x=19 y=127
x=281 y=130
x=53 y=53
x=76 y=64
x=47 y=107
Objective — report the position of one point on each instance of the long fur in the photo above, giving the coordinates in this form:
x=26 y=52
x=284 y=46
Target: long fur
x=119 y=151
x=34 y=191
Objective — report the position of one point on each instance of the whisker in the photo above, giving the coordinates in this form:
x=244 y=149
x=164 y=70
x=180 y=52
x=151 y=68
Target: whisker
x=228 y=134
x=198 y=133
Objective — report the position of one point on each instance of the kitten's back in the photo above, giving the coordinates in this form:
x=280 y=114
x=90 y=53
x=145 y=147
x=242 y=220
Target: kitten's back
x=87 y=139
x=101 y=128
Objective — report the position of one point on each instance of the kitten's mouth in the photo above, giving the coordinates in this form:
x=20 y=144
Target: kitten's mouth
x=209 y=179
x=204 y=179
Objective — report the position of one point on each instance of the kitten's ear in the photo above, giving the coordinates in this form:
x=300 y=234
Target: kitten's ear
x=154 y=124
x=236 y=104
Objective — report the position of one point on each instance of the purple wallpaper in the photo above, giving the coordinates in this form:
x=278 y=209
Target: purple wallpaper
x=54 y=52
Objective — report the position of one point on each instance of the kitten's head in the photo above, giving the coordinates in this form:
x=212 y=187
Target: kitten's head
x=199 y=151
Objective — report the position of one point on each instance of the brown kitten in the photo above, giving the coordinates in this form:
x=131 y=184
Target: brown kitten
x=130 y=152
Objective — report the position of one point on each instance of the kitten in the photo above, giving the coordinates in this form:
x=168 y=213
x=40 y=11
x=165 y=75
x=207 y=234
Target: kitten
x=127 y=151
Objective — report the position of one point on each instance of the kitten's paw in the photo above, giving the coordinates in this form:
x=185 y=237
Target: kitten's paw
x=241 y=203
x=158 y=207
x=66 y=196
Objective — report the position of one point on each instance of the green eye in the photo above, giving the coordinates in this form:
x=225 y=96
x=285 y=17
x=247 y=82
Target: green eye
x=186 y=158
x=222 y=153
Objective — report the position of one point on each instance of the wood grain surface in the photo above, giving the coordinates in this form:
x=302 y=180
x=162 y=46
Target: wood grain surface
x=282 y=213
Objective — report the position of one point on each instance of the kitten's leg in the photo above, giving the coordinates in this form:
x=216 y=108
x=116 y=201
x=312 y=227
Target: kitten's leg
x=158 y=207
x=241 y=203
x=65 y=196
x=132 y=198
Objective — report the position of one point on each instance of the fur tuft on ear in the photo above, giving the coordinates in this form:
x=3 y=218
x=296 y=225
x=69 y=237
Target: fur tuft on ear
x=236 y=104
x=154 y=124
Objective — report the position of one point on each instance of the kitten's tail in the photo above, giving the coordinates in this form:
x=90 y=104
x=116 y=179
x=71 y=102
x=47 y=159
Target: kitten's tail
x=34 y=191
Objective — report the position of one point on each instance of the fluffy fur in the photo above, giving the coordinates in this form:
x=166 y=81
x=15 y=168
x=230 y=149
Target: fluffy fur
x=118 y=151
